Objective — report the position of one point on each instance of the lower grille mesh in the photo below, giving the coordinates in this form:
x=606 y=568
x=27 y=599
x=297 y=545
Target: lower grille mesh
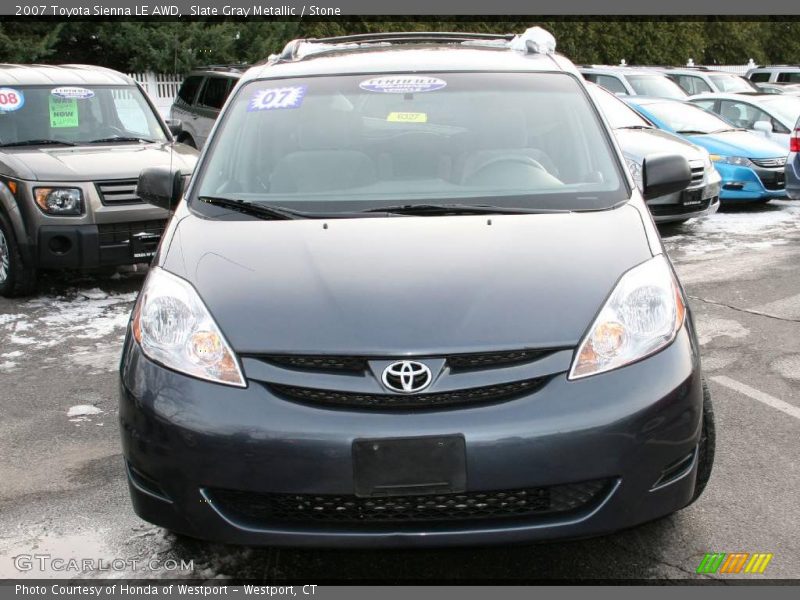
x=299 y=508
x=477 y=395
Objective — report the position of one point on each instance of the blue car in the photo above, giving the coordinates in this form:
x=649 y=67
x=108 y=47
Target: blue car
x=751 y=166
x=793 y=165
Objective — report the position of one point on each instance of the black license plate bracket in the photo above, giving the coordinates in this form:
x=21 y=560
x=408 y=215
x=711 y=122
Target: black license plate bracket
x=409 y=466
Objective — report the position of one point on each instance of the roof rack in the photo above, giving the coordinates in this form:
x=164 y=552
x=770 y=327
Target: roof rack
x=224 y=67
x=534 y=39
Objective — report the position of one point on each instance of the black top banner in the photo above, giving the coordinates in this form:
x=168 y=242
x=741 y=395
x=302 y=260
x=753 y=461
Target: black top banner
x=246 y=9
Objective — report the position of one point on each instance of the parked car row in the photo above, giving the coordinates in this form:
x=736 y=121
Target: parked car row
x=745 y=131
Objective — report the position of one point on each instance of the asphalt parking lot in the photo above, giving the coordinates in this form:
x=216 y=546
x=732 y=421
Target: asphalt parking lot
x=63 y=492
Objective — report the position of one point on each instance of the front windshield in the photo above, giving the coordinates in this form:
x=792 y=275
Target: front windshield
x=31 y=115
x=786 y=108
x=344 y=143
x=726 y=82
x=658 y=86
x=619 y=114
x=687 y=118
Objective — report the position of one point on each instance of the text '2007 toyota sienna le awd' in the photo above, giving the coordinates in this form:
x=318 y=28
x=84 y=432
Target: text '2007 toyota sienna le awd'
x=409 y=308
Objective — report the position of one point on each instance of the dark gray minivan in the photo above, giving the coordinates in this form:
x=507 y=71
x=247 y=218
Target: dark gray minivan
x=402 y=306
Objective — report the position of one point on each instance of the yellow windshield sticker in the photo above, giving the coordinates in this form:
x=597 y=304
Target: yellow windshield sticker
x=407 y=117
x=63 y=112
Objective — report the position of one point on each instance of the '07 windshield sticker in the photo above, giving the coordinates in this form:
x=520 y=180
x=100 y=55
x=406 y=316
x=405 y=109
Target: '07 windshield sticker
x=277 y=98
x=402 y=84
x=78 y=93
x=11 y=99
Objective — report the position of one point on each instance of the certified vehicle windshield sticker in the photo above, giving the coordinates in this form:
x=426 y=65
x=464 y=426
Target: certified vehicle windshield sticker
x=277 y=98
x=407 y=117
x=402 y=84
x=63 y=112
x=78 y=93
x=11 y=99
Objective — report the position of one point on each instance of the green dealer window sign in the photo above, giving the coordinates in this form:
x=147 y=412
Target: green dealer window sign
x=63 y=112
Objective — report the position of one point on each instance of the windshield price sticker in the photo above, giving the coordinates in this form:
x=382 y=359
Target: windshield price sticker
x=407 y=117
x=402 y=84
x=63 y=112
x=78 y=93
x=11 y=99
x=278 y=98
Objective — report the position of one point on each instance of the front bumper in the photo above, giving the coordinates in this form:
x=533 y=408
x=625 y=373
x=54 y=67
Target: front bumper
x=92 y=246
x=184 y=438
x=694 y=202
x=751 y=183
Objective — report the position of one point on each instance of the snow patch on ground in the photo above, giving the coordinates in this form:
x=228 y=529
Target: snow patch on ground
x=61 y=321
x=82 y=410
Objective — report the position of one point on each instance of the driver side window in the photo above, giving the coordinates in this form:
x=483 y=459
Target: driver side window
x=743 y=115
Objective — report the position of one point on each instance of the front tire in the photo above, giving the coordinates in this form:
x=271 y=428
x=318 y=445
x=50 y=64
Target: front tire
x=706 y=447
x=16 y=279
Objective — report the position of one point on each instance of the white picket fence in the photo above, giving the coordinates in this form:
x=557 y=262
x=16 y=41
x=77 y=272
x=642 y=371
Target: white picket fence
x=161 y=87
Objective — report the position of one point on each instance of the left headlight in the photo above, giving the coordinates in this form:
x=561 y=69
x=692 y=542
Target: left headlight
x=739 y=161
x=59 y=201
x=174 y=328
x=643 y=315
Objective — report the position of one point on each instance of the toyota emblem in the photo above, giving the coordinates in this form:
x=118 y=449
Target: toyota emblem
x=407 y=376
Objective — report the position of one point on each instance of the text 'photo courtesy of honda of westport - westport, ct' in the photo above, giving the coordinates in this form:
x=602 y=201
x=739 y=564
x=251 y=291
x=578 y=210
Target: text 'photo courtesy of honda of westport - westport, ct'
x=382 y=301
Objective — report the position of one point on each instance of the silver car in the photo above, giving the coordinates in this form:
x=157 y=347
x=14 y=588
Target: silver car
x=702 y=80
x=638 y=138
x=633 y=81
x=772 y=115
x=200 y=98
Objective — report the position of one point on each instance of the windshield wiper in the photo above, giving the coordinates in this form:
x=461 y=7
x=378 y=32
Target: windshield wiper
x=692 y=132
x=37 y=143
x=636 y=127
x=122 y=139
x=729 y=129
x=457 y=209
x=262 y=211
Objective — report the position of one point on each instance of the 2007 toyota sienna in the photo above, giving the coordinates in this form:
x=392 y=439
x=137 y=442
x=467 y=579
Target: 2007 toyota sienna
x=411 y=296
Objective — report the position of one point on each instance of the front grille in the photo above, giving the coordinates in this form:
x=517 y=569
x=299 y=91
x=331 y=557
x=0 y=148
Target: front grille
x=119 y=233
x=698 y=172
x=495 y=359
x=117 y=192
x=478 y=395
x=769 y=162
x=358 y=364
x=319 y=363
x=266 y=509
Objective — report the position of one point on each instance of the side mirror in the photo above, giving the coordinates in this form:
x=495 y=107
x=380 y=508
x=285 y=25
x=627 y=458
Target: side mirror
x=160 y=186
x=664 y=174
x=175 y=126
x=764 y=127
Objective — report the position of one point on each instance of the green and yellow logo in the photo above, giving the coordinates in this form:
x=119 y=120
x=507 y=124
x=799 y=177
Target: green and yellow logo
x=734 y=562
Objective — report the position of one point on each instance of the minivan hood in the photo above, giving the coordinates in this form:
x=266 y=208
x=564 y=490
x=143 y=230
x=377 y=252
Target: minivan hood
x=407 y=285
x=739 y=143
x=88 y=163
x=638 y=143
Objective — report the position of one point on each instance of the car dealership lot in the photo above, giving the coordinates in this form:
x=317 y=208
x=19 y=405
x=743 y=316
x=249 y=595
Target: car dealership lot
x=63 y=490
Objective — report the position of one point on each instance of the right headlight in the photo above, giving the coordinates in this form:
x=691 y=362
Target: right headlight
x=739 y=161
x=643 y=315
x=174 y=328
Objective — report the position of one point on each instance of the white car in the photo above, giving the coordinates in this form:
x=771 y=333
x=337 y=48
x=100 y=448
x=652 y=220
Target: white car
x=772 y=115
